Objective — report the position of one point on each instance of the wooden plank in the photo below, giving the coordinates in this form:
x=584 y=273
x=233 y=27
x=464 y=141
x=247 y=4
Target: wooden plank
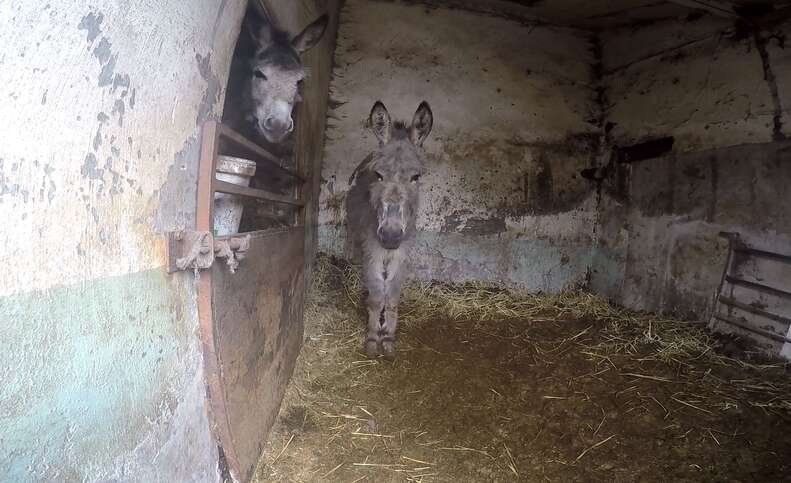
x=754 y=310
x=758 y=286
x=266 y=156
x=754 y=330
x=235 y=189
x=717 y=7
x=778 y=257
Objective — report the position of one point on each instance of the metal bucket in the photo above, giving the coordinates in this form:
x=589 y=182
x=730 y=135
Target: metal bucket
x=227 y=207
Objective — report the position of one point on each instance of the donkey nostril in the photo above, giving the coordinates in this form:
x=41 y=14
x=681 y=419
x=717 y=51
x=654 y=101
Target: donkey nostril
x=269 y=123
x=290 y=124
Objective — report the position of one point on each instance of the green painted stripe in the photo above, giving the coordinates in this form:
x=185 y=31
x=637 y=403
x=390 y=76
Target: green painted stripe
x=89 y=370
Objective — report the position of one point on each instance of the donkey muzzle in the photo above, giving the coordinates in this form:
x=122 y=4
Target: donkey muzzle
x=390 y=238
x=276 y=121
x=276 y=129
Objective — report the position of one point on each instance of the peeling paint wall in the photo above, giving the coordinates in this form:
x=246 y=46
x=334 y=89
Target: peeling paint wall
x=99 y=356
x=515 y=121
x=722 y=90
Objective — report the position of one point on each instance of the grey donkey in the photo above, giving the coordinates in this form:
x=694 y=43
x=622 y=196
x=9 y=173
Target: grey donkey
x=381 y=212
x=263 y=89
x=265 y=77
x=276 y=71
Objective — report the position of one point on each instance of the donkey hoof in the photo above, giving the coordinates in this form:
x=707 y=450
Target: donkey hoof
x=371 y=348
x=388 y=350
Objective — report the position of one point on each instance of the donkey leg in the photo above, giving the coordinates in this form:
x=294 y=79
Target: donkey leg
x=388 y=330
x=376 y=307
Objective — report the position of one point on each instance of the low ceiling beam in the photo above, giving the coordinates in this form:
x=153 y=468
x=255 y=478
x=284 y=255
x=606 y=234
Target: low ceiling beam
x=716 y=7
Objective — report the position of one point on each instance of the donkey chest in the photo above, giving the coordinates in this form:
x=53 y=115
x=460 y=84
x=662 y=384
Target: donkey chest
x=388 y=265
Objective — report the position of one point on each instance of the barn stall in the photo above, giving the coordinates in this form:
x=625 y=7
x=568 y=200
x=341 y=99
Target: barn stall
x=600 y=283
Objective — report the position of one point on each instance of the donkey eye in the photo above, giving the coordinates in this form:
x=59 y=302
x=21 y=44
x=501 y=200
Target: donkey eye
x=415 y=178
x=259 y=74
x=379 y=176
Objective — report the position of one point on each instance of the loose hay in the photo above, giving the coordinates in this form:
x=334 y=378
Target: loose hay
x=626 y=332
x=655 y=367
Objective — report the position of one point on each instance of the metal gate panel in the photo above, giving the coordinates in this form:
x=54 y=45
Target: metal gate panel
x=250 y=318
x=257 y=325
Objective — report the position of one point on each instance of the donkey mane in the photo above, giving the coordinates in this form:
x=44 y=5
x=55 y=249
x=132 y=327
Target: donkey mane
x=286 y=59
x=399 y=130
x=279 y=36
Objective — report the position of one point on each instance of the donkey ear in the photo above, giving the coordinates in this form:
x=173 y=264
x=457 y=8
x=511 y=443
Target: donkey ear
x=263 y=35
x=308 y=38
x=421 y=124
x=379 y=120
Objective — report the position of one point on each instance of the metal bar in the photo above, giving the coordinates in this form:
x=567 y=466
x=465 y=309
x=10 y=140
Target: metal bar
x=754 y=310
x=218 y=410
x=262 y=234
x=235 y=189
x=266 y=156
x=764 y=254
x=755 y=330
x=758 y=286
x=204 y=210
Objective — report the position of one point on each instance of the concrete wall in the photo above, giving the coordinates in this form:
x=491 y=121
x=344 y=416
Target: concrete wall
x=515 y=121
x=722 y=91
x=99 y=358
x=517 y=118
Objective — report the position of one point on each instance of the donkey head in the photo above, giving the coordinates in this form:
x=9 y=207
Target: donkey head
x=276 y=72
x=393 y=172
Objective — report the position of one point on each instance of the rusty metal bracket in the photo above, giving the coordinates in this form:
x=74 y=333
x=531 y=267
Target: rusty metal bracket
x=233 y=250
x=196 y=250
x=189 y=250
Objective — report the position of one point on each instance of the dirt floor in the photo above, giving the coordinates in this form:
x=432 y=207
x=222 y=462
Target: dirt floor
x=575 y=392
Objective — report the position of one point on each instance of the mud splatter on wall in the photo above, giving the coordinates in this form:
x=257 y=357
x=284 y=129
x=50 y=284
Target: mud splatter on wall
x=721 y=90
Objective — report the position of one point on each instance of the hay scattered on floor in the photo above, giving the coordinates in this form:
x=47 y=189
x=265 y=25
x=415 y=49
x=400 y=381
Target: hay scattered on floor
x=626 y=332
x=589 y=364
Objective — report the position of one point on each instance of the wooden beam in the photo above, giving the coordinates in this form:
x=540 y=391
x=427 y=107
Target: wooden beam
x=750 y=328
x=758 y=286
x=754 y=310
x=716 y=7
x=507 y=8
x=778 y=257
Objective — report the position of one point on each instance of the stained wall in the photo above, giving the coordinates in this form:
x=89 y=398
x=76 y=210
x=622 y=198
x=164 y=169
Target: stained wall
x=721 y=90
x=99 y=355
x=515 y=121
